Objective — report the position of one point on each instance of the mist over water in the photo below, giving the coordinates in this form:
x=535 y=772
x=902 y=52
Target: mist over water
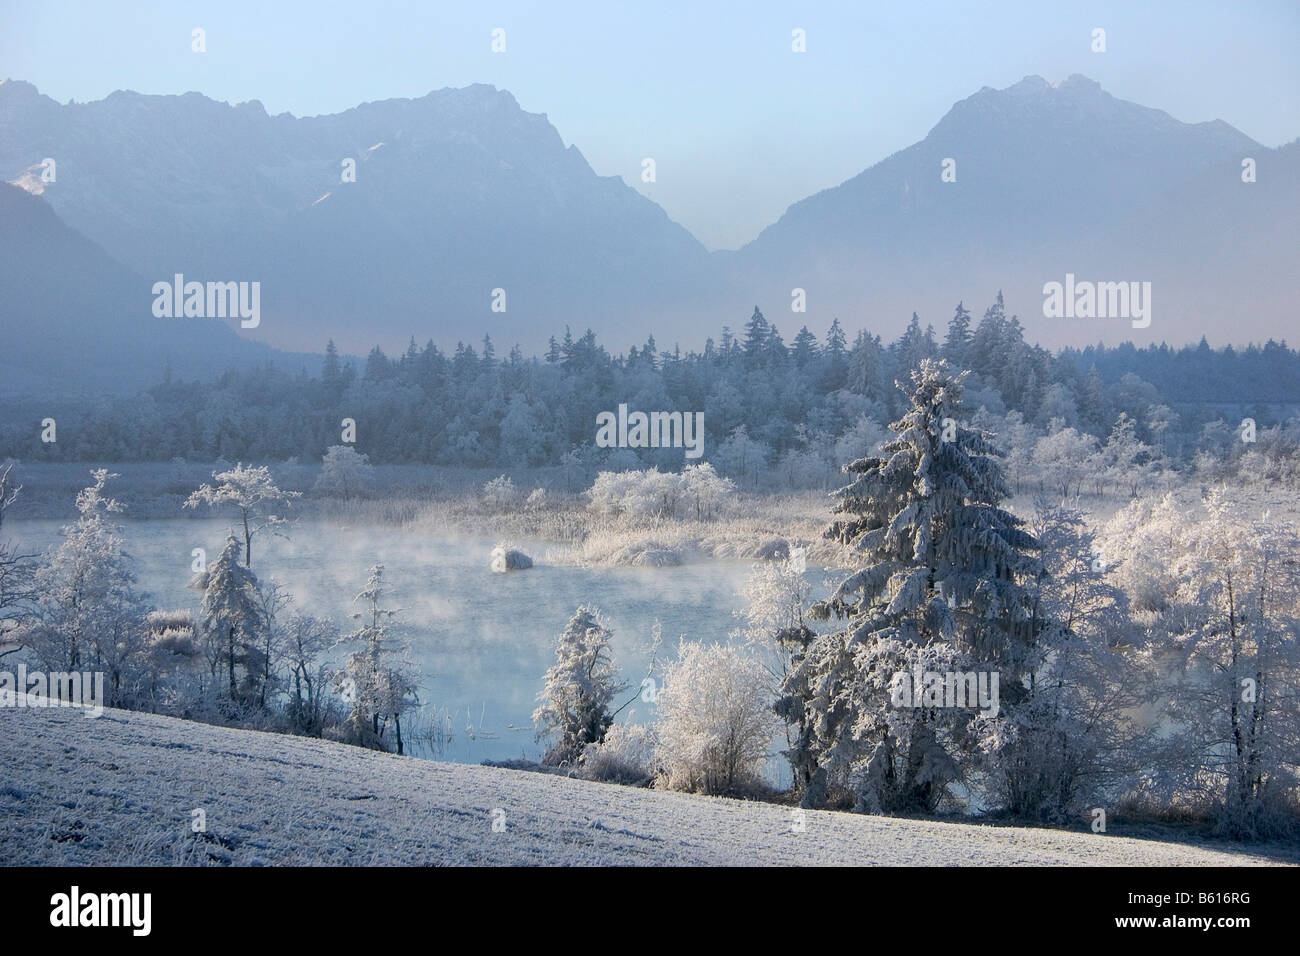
x=483 y=640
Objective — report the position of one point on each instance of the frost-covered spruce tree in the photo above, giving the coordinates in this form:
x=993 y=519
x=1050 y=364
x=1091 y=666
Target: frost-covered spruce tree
x=231 y=614
x=941 y=588
x=580 y=685
x=379 y=680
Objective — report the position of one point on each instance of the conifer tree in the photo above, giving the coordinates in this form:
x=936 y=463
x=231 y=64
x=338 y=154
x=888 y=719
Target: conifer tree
x=757 y=338
x=231 y=612
x=957 y=344
x=378 y=680
x=580 y=685
x=942 y=588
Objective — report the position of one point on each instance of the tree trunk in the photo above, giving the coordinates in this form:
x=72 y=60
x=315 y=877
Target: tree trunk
x=230 y=659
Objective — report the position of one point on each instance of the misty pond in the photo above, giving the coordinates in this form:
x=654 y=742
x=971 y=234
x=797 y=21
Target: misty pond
x=483 y=640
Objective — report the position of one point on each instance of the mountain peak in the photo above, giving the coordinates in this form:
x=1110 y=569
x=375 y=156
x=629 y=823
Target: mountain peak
x=1030 y=83
x=15 y=91
x=1080 y=83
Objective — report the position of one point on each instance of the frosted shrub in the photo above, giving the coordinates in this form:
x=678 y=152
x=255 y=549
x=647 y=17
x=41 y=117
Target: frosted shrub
x=620 y=492
x=706 y=492
x=716 y=720
x=626 y=755
x=500 y=492
x=697 y=492
x=344 y=472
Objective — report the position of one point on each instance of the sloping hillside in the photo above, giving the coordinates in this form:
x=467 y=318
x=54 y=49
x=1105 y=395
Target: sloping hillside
x=123 y=788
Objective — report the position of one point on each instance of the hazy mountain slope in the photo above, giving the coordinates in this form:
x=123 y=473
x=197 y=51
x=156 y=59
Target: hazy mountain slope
x=122 y=788
x=461 y=192
x=1049 y=179
x=73 y=320
x=457 y=193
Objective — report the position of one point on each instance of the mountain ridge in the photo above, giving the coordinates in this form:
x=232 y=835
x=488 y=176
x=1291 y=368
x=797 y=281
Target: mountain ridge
x=461 y=192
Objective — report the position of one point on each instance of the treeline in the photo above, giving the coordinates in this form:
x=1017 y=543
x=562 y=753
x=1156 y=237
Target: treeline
x=474 y=408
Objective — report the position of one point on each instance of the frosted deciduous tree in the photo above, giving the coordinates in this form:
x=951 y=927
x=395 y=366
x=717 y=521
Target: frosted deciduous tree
x=715 y=719
x=942 y=588
x=573 y=707
x=87 y=613
x=775 y=625
x=1017 y=438
x=1235 y=628
x=742 y=458
x=344 y=472
x=1063 y=459
x=306 y=639
x=706 y=490
x=1127 y=460
x=863 y=438
x=15 y=573
x=252 y=494
x=1074 y=738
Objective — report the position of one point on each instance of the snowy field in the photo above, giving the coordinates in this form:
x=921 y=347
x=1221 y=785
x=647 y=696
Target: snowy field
x=123 y=789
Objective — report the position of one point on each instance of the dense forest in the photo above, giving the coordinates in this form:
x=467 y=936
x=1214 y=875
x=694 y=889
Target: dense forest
x=475 y=408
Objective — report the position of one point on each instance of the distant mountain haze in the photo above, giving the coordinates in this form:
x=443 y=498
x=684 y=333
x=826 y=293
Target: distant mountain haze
x=461 y=192
x=456 y=194
x=1049 y=180
x=74 y=321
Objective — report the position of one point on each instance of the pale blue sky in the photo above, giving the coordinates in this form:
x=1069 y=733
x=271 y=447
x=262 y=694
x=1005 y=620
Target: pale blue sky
x=739 y=126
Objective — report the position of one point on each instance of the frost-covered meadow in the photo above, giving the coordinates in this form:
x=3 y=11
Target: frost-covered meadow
x=123 y=789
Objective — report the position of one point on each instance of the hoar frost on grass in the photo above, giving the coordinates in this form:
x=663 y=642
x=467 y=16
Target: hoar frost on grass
x=122 y=789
